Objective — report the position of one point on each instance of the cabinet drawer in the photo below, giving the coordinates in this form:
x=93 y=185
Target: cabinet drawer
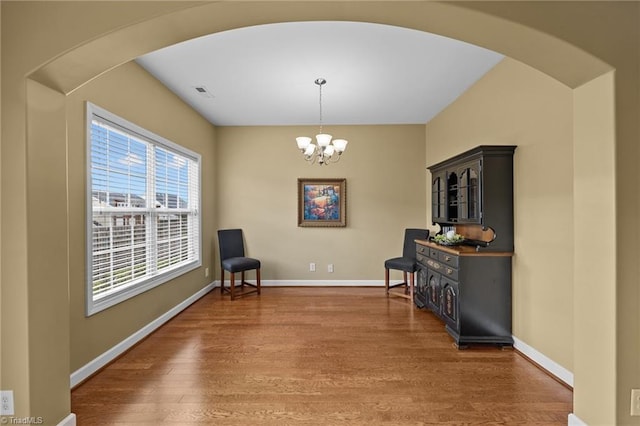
x=449 y=272
x=422 y=259
x=435 y=266
x=420 y=249
x=433 y=253
x=448 y=259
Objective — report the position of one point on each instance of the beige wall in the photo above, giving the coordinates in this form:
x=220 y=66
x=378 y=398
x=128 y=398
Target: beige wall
x=154 y=108
x=257 y=190
x=46 y=246
x=515 y=104
x=63 y=45
x=594 y=157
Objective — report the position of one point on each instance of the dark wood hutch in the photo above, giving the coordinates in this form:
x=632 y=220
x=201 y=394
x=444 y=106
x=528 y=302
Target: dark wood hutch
x=468 y=286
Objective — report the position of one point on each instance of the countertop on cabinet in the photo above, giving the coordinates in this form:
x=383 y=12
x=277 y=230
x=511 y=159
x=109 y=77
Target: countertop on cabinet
x=463 y=250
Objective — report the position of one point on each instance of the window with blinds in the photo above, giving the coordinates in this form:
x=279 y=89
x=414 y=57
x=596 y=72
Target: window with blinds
x=142 y=206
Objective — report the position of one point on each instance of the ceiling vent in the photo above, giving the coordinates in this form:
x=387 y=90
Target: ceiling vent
x=203 y=91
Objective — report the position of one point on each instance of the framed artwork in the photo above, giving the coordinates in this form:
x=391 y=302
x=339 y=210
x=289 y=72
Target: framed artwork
x=322 y=202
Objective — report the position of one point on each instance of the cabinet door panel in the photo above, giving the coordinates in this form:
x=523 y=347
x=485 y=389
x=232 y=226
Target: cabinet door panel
x=450 y=305
x=421 y=287
x=433 y=291
x=452 y=197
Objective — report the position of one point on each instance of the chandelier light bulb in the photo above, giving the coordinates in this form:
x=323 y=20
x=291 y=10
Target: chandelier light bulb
x=340 y=144
x=323 y=139
x=303 y=142
x=309 y=150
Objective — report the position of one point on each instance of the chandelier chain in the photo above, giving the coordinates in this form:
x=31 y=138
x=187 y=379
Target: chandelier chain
x=320 y=97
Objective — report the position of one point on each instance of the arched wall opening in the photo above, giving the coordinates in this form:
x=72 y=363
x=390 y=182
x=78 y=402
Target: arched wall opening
x=62 y=73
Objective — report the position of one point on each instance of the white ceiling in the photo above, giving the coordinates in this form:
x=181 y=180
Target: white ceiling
x=264 y=75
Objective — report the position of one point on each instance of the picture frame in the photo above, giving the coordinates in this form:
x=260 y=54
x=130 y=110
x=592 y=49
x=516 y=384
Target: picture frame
x=322 y=202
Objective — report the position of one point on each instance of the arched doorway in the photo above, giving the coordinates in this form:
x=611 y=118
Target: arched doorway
x=62 y=74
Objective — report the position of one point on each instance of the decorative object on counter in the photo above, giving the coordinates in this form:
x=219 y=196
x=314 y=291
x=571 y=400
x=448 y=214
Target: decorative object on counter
x=326 y=151
x=322 y=202
x=449 y=239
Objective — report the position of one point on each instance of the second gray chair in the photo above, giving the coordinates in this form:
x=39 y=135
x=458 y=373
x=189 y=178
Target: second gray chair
x=232 y=259
x=407 y=263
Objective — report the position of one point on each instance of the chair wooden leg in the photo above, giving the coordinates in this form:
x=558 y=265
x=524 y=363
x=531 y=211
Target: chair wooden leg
x=386 y=281
x=411 y=278
x=258 y=280
x=406 y=284
x=221 y=281
x=242 y=279
x=233 y=285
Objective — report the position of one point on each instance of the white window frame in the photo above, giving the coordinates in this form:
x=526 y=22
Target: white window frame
x=154 y=278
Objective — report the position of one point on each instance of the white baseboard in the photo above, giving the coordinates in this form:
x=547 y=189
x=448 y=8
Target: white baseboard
x=574 y=420
x=312 y=283
x=543 y=361
x=96 y=364
x=321 y=283
x=70 y=420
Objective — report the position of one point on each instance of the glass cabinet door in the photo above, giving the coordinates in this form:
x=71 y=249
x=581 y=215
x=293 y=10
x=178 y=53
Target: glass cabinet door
x=438 y=197
x=469 y=193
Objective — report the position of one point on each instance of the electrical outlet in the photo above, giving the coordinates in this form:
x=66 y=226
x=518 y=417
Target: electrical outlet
x=330 y=267
x=312 y=267
x=635 y=402
x=206 y=272
x=6 y=403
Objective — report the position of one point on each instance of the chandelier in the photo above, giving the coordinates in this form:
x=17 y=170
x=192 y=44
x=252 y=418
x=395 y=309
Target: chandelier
x=326 y=151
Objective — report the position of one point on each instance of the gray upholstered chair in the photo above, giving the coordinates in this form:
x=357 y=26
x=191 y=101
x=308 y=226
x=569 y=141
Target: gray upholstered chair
x=232 y=259
x=407 y=263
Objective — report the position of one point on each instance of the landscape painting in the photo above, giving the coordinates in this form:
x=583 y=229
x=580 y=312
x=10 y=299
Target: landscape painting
x=322 y=203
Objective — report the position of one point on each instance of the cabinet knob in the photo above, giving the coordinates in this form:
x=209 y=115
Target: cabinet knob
x=449 y=271
x=447 y=258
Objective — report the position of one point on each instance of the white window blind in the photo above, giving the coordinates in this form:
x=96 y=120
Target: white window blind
x=143 y=202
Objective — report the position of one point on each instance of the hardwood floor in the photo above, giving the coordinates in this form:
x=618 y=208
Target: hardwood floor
x=315 y=356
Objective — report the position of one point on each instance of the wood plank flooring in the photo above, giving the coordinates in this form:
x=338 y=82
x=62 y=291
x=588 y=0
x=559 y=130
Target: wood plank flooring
x=315 y=356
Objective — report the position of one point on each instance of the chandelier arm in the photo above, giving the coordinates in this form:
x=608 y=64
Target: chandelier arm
x=333 y=158
x=311 y=158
